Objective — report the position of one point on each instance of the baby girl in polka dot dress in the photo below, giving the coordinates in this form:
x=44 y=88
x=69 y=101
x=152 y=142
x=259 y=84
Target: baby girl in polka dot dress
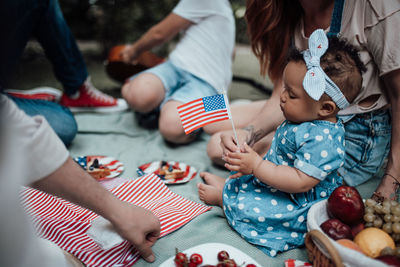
x=266 y=200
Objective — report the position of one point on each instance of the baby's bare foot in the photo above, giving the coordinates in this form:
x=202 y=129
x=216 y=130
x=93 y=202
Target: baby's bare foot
x=209 y=194
x=213 y=180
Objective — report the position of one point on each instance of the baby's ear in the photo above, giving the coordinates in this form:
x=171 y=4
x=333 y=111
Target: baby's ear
x=328 y=108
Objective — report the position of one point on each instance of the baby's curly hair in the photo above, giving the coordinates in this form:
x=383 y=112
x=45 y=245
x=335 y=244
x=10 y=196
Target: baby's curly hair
x=342 y=63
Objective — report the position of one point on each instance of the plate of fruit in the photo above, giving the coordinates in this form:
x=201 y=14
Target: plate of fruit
x=100 y=167
x=210 y=254
x=170 y=172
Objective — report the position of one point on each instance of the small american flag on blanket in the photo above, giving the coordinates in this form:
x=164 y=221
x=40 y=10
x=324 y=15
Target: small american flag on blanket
x=203 y=111
x=66 y=224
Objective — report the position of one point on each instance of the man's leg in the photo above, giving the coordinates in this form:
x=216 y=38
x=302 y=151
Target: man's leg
x=18 y=20
x=60 y=47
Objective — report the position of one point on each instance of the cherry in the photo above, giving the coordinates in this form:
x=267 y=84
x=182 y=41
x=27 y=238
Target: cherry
x=223 y=255
x=180 y=259
x=230 y=263
x=196 y=259
x=250 y=265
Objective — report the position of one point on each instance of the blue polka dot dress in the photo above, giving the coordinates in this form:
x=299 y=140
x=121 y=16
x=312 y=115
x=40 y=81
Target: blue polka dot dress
x=273 y=220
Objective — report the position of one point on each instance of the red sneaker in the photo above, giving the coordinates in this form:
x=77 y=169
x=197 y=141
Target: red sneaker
x=91 y=99
x=40 y=93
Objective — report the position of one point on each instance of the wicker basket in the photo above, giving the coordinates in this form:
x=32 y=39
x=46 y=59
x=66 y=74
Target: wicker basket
x=317 y=258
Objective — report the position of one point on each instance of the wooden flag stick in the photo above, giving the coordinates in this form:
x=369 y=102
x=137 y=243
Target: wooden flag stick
x=230 y=117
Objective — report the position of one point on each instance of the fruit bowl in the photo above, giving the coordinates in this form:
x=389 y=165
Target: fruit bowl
x=315 y=217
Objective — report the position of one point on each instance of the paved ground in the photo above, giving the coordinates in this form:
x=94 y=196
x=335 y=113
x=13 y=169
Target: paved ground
x=34 y=70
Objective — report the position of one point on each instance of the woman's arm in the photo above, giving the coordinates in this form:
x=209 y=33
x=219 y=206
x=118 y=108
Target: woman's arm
x=157 y=35
x=386 y=187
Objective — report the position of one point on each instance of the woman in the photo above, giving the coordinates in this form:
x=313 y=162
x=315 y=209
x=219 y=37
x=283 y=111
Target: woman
x=372 y=121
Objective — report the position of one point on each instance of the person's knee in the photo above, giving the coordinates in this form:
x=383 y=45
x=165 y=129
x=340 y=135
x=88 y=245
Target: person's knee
x=69 y=132
x=170 y=128
x=65 y=127
x=140 y=95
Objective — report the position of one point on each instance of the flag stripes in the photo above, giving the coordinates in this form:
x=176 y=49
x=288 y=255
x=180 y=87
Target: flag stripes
x=200 y=112
x=66 y=224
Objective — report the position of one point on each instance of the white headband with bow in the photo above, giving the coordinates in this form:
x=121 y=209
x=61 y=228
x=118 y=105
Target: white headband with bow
x=316 y=82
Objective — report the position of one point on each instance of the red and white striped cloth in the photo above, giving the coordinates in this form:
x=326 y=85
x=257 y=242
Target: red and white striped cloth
x=296 y=263
x=66 y=224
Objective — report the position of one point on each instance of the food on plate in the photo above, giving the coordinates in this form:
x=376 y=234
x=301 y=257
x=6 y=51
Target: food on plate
x=168 y=171
x=372 y=240
x=390 y=260
x=346 y=204
x=95 y=169
x=349 y=244
x=181 y=259
x=195 y=260
x=335 y=229
x=223 y=255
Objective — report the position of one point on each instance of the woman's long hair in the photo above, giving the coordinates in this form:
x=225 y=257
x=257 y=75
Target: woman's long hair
x=270 y=25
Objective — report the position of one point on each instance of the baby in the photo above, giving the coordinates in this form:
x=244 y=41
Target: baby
x=266 y=200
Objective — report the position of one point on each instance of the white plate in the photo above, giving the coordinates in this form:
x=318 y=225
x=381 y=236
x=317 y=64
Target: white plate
x=209 y=252
x=153 y=167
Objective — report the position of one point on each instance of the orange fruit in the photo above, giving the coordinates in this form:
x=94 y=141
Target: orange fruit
x=372 y=240
x=349 y=244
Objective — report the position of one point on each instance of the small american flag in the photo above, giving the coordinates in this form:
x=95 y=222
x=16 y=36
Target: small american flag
x=203 y=111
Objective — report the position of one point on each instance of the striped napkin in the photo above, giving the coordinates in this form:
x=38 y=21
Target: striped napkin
x=66 y=224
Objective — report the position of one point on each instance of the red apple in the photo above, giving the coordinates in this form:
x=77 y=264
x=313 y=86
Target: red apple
x=390 y=260
x=355 y=229
x=345 y=204
x=336 y=230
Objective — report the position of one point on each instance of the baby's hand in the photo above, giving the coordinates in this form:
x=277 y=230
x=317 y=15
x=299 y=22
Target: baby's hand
x=242 y=162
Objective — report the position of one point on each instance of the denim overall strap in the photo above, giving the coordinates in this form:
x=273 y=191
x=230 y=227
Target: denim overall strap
x=336 y=21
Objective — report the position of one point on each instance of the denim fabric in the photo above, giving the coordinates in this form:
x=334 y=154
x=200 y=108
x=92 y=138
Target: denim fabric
x=22 y=19
x=179 y=84
x=367 y=145
x=60 y=118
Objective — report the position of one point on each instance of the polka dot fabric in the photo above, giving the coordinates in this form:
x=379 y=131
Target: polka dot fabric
x=273 y=220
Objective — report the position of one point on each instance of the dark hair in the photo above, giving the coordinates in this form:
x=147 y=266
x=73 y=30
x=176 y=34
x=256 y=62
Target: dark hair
x=342 y=63
x=270 y=26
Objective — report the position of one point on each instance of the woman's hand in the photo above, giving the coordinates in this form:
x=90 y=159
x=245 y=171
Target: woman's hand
x=244 y=162
x=228 y=141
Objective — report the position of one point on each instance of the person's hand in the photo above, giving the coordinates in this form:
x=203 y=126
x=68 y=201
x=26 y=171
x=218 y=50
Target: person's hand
x=139 y=226
x=228 y=141
x=129 y=55
x=244 y=162
x=387 y=189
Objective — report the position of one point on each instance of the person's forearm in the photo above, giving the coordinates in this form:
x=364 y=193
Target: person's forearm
x=284 y=178
x=152 y=38
x=72 y=183
x=161 y=33
x=392 y=81
x=269 y=118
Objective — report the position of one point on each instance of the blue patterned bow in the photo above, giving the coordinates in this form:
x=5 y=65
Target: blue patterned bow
x=316 y=82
